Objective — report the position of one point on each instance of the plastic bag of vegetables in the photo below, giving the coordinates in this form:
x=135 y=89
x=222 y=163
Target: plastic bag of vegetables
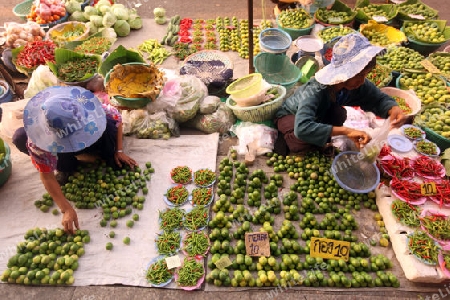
x=155 y=126
x=219 y=121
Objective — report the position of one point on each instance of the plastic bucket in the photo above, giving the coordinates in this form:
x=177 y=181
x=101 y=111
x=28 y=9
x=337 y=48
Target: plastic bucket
x=5 y=165
x=274 y=40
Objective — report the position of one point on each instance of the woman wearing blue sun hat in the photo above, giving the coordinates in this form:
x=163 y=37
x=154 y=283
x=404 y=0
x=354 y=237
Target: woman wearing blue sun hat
x=61 y=123
x=307 y=119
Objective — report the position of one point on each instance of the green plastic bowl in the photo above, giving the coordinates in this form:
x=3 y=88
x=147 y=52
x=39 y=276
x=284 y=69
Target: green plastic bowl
x=131 y=103
x=6 y=166
x=295 y=33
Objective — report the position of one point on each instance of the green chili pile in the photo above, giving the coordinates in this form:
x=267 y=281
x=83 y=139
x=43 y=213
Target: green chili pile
x=446 y=255
x=379 y=75
x=422 y=246
x=426 y=147
x=181 y=174
x=95 y=45
x=413 y=132
x=177 y=194
x=403 y=105
x=204 y=177
x=406 y=213
x=171 y=219
x=201 y=196
x=168 y=242
x=437 y=225
x=158 y=272
x=190 y=273
x=74 y=70
x=196 y=243
x=196 y=218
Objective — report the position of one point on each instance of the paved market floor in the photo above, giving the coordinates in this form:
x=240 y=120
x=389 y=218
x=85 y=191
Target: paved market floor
x=210 y=9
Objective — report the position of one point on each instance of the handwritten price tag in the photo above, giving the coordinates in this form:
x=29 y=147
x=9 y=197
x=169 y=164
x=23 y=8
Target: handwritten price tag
x=223 y=262
x=429 y=66
x=173 y=262
x=428 y=189
x=257 y=243
x=418 y=17
x=327 y=248
x=335 y=20
x=380 y=19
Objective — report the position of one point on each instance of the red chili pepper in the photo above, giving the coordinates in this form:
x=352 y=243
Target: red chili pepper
x=185 y=39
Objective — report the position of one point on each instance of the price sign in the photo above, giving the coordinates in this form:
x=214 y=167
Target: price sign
x=380 y=19
x=173 y=262
x=418 y=17
x=327 y=248
x=223 y=262
x=335 y=20
x=428 y=189
x=429 y=66
x=257 y=244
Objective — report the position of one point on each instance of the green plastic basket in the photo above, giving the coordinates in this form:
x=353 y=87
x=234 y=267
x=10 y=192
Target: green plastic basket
x=258 y=113
x=438 y=139
x=277 y=69
x=23 y=9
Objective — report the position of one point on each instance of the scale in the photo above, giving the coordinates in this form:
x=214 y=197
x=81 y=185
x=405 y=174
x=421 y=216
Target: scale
x=309 y=48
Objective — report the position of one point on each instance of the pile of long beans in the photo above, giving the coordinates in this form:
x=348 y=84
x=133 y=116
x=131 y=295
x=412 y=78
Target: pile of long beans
x=190 y=272
x=158 y=272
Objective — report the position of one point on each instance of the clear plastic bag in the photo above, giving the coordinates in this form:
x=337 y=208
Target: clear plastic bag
x=372 y=149
x=262 y=137
x=41 y=78
x=155 y=126
x=209 y=104
x=219 y=121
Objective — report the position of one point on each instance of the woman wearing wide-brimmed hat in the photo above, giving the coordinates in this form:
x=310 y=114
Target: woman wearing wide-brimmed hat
x=315 y=111
x=61 y=123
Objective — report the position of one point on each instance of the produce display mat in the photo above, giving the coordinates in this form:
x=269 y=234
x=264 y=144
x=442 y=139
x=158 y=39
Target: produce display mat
x=124 y=264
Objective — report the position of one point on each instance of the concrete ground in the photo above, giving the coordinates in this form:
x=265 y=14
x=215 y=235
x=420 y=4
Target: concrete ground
x=211 y=9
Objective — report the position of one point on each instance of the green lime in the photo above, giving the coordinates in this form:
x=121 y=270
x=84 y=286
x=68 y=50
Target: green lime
x=126 y=240
x=109 y=246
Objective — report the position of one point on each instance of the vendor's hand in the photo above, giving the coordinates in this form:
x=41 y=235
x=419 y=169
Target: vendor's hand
x=396 y=116
x=360 y=138
x=121 y=157
x=69 y=219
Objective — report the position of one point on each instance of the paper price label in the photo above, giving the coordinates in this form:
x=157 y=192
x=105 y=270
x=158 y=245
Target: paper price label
x=380 y=19
x=429 y=66
x=418 y=17
x=223 y=262
x=327 y=248
x=335 y=19
x=428 y=189
x=257 y=244
x=173 y=262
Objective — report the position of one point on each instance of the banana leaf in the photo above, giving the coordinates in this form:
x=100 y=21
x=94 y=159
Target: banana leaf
x=72 y=45
x=19 y=68
x=426 y=13
x=63 y=56
x=120 y=55
x=387 y=12
x=346 y=14
x=441 y=25
x=437 y=56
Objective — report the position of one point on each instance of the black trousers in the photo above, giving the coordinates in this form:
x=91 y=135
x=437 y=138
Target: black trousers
x=105 y=147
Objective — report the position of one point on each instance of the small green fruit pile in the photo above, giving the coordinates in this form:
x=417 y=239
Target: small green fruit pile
x=295 y=19
x=427 y=32
x=428 y=87
x=400 y=58
x=47 y=257
x=330 y=33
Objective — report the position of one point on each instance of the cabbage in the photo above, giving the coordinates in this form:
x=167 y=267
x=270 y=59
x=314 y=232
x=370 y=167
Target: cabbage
x=136 y=23
x=160 y=20
x=132 y=14
x=103 y=6
x=90 y=11
x=109 y=33
x=159 y=12
x=120 y=13
x=73 y=6
x=96 y=20
x=122 y=28
x=117 y=5
x=109 y=19
x=77 y=16
x=92 y=28
x=104 y=9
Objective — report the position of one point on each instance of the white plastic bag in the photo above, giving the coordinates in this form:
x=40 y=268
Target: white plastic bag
x=372 y=149
x=41 y=78
x=261 y=135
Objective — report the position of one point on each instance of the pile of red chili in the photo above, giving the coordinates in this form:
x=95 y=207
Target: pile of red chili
x=328 y=54
x=396 y=167
x=35 y=53
x=427 y=167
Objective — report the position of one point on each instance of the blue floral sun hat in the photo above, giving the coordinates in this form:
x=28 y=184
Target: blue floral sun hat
x=350 y=55
x=63 y=119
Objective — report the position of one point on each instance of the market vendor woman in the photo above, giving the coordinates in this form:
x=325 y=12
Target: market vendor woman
x=314 y=113
x=61 y=123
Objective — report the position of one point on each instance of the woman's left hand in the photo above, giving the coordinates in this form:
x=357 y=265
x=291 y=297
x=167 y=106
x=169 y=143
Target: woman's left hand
x=121 y=157
x=396 y=116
